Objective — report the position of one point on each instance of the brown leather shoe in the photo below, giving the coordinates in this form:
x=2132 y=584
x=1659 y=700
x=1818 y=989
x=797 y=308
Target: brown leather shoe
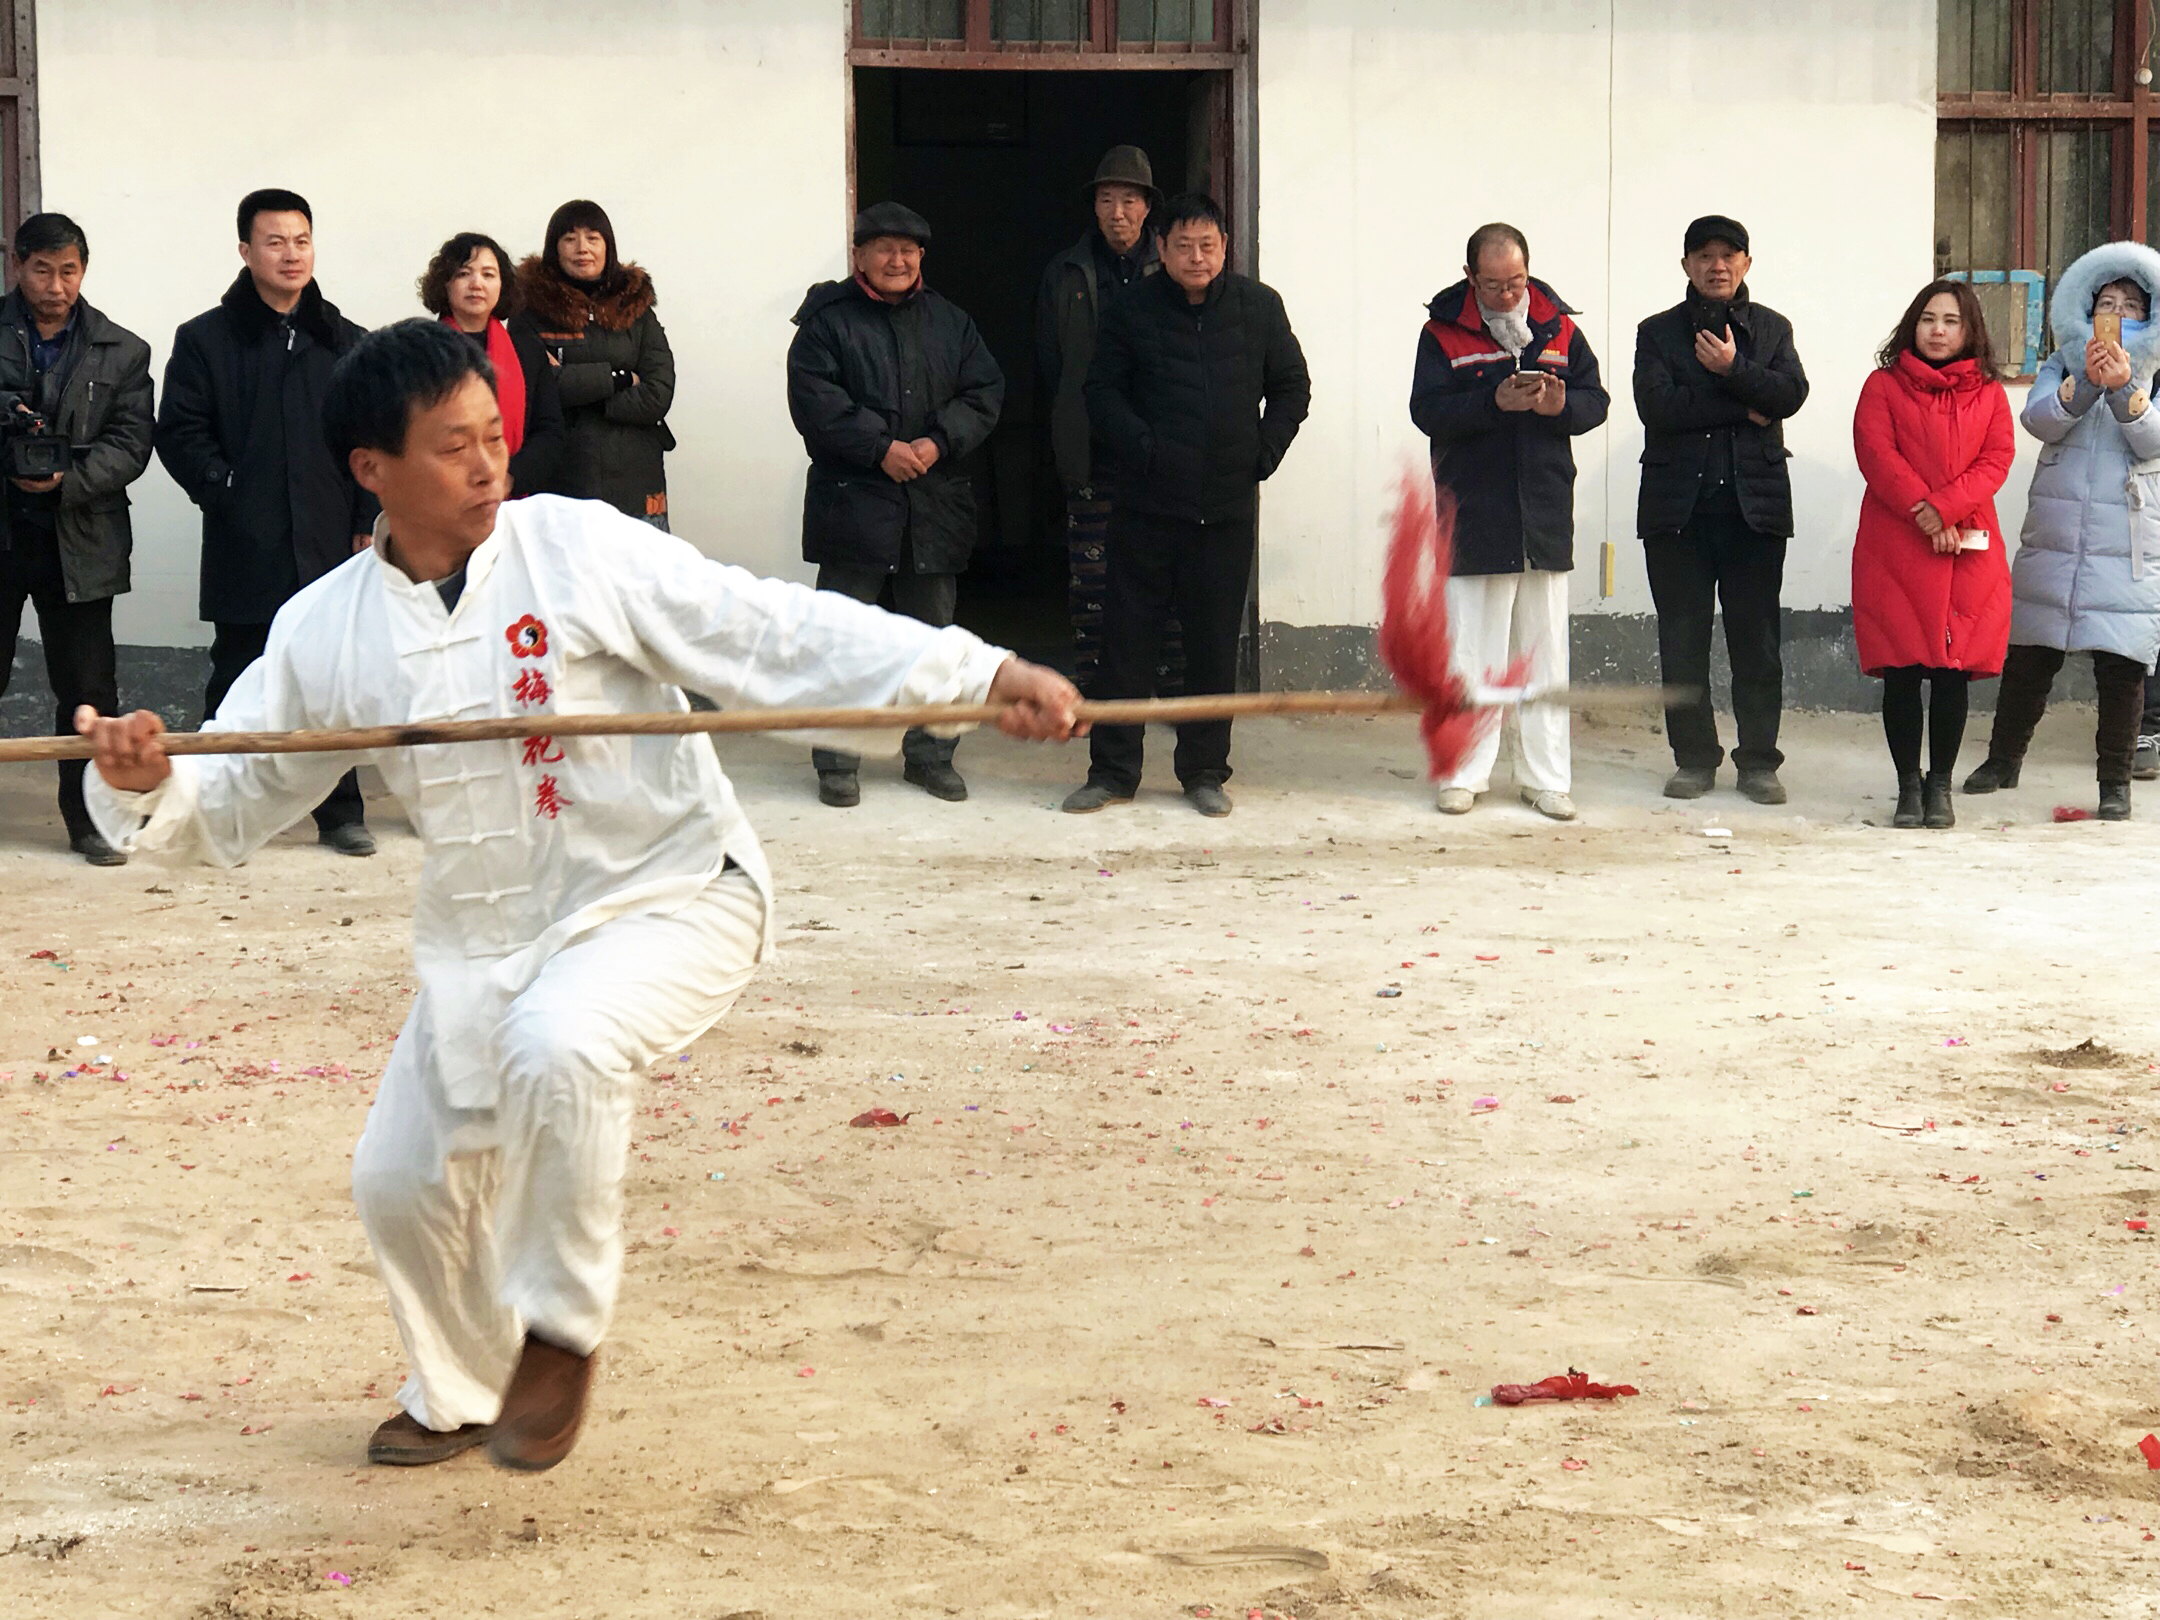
x=542 y=1411
x=403 y=1443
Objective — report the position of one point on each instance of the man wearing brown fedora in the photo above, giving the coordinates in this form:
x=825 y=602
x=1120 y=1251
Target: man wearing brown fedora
x=1116 y=253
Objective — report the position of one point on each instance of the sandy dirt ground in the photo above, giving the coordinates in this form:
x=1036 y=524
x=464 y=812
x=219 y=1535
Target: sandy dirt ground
x=1175 y=1293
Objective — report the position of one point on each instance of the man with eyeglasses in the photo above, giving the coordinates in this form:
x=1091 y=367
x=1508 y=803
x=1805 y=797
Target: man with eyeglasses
x=1505 y=380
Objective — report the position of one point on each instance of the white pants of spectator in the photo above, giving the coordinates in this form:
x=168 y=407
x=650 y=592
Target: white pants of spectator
x=490 y=1221
x=1495 y=620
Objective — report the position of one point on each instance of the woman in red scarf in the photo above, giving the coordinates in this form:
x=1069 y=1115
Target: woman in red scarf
x=469 y=285
x=1930 y=580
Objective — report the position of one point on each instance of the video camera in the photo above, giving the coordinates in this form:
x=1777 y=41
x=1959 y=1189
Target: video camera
x=29 y=448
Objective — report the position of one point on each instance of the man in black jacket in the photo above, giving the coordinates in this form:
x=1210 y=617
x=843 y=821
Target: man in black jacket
x=66 y=534
x=1114 y=256
x=1715 y=376
x=890 y=385
x=1197 y=388
x=241 y=431
x=1505 y=381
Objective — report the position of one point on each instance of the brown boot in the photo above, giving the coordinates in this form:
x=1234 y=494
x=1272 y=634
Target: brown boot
x=542 y=1411
x=403 y=1443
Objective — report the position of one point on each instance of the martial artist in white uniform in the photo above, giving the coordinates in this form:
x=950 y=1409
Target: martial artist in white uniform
x=587 y=904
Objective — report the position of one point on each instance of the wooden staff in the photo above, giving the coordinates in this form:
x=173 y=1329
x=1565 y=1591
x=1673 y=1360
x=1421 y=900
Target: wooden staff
x=1119 y=712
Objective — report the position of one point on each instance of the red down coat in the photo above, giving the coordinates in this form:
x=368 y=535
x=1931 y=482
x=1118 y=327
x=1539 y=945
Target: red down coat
x=1942 y=436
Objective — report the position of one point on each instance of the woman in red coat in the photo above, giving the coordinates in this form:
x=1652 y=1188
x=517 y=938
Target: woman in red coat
x=1930 y=581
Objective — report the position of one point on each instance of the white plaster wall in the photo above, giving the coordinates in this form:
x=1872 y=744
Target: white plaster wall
x=713 y=131
x=1390 y=128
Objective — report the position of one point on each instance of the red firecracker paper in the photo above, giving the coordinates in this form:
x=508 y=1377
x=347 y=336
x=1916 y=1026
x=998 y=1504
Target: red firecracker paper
x=1571 y=1386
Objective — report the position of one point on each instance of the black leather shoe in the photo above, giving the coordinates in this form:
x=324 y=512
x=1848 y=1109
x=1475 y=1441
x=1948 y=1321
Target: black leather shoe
x=351 y=839
x=840 y=789
x=1936 y=809
x=1209 y=798
x=1992 y=774
x=1762 y=786
x=92 y=847
x=2114 y=801
x=939 y=781
x=1090 y=797
x=1911 y=810
x=1690 y=782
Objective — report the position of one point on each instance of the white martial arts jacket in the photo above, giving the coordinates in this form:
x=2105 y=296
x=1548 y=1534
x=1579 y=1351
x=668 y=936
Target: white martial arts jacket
x=568 y=608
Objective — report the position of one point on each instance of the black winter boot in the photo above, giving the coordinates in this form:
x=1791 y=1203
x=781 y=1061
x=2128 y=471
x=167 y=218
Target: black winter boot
x=1993 y=773
x=1935 y=801
x=2114 y=801
x=1909 y=812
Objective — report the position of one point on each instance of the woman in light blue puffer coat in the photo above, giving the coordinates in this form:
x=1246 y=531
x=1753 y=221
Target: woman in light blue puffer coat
x=2087 y=574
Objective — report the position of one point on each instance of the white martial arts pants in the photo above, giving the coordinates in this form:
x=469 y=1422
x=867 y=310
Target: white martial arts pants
x=487 y=1222
x=1496 y=619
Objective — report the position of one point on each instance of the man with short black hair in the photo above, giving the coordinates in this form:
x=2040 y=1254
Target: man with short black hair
x=1117 y=252
x=1196 y=390
x=75 y=390
x=1505 y=382
x=241 y=433
x=890 y=384
x=586 y=903
x=1715 y=377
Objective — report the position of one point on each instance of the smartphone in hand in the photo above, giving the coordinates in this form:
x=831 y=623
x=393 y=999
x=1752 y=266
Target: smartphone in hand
x=2107 y=326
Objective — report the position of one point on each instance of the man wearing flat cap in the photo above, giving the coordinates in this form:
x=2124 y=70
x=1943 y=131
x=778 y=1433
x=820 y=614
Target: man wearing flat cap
x=1115 y=254
x=1715 y=378
x=890 y=385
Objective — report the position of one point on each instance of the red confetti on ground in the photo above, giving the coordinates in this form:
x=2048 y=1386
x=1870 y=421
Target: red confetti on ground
x=2150 y=1448
x=2072 y=812
x=1568 y=1386
x=879 y=1119
x=1415 y=642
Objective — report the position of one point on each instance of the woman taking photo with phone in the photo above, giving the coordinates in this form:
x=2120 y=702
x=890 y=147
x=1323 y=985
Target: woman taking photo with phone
x=469 y=285
x=1930 y=586
x=2087 y=574
x=593 y=315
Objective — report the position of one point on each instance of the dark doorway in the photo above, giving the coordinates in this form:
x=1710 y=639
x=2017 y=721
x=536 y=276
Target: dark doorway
x=998 y=162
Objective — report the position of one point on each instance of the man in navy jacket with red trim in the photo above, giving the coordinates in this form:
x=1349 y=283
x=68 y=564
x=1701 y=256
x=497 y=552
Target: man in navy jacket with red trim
x=1505 y=380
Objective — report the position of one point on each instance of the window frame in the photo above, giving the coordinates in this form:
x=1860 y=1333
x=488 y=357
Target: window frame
x=2026 y=114
x=1103 y=48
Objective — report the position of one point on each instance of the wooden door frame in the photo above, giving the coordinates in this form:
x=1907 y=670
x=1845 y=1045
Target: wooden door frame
x=21 y=182
x=1235 y=22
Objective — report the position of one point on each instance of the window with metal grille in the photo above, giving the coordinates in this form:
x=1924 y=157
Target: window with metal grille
x=989 y=33
x=2044 y=148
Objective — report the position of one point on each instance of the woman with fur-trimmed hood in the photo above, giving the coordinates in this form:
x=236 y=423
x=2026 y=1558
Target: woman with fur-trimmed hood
x=593 y=315
x=2087 y=574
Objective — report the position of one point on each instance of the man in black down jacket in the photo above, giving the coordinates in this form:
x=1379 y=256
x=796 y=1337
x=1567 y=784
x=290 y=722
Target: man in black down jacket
x=1505 y=380
x=66 y=537
x=241 y=431
x=890 y=385
x=1115 y=255
x=1715 y=376
x=1197 y=388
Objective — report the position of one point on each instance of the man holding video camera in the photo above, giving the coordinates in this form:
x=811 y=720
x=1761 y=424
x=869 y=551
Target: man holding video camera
x=75 y=425
x=1505 y=381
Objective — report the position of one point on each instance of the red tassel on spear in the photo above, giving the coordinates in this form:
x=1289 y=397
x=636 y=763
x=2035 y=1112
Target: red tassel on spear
x=1416 y=642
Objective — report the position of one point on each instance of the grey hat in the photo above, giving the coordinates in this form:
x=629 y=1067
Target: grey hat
x=891 y=219
x=1126 y=166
